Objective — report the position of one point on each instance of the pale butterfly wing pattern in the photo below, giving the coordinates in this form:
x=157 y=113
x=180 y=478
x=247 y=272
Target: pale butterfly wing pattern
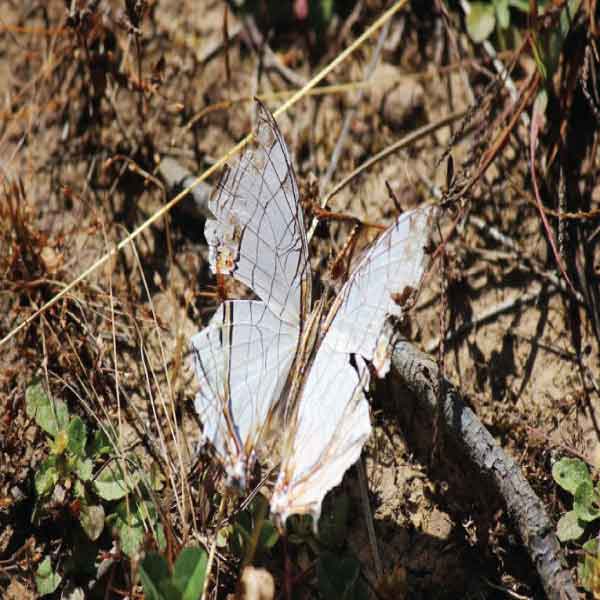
x=332 y=421
x=258 y=236
x=242 y=359
x=331 y=428
x=383 y=285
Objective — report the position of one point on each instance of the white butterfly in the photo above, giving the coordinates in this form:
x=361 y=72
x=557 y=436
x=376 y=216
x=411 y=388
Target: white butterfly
x=276 y=380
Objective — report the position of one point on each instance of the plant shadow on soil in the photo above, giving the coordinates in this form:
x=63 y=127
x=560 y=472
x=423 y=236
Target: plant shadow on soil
x=441 y=523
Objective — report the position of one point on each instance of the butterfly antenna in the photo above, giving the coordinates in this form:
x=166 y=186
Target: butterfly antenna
x=394 y=198
x=327 y=215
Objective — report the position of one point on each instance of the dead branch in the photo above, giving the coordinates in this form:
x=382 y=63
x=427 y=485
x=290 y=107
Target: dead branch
x=178 y=178
x=420 y=374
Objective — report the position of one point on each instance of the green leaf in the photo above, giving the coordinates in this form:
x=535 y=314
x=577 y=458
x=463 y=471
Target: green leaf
x=46 y=580
x=92 y=521
x=569 y=473
x=239 y=539
x=337 y=576
x=131 y=539
x=155 y=577
x=223 y=536
x=100 y=444
x=522 y=5
x=59 y=443
x=300 y=526
x=567 y=16
x=110 y=484
x=77 y=436
x=326 y=10
x=480 y=21
x=127 y=520
x=589 y=568
x=79 y=490
x=569 y=527
x=189 y=572
x=502 y=13
x=333 y=524
x=84 y=468
x=46 y=477
x=548 y=44
x=159 y=536
x=587 y=502
x=51 y=416
x=268 y=535
x=157 y=478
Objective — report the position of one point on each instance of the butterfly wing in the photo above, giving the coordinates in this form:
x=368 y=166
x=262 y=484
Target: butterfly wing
x=332 y=425
x=258 y=236
x=242 y=359
x=331 y=422
x=385 y=283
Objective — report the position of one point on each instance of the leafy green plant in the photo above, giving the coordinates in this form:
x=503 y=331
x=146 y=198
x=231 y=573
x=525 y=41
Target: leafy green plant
x=588 y=569
x=548 y=43
x=338 y=577
x=573 y=476
x=252 y=534
x=184 y=583
x=66 y=477
x=46 y=579
x=494 y=17
x=131 y=519
x=69 y=463
x=485 y=18
x=338 y=572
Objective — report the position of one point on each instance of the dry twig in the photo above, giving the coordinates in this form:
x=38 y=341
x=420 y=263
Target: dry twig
x=420 y=374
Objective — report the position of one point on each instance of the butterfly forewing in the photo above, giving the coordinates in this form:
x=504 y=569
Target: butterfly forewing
x=383 y=285
x=242 y=359
x=258 y=235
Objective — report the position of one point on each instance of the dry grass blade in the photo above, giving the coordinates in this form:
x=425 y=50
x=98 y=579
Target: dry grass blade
x=395 y=147
x=535 y=130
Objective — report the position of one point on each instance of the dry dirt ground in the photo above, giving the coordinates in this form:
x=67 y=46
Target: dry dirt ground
x=92 y=102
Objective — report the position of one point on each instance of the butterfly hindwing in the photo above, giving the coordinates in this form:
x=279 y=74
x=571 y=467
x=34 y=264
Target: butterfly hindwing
x=242 y=359
x=332 y=424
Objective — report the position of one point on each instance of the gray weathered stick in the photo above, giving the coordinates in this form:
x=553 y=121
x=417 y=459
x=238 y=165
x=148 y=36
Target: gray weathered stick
x=178 y=178
x=420 y=374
